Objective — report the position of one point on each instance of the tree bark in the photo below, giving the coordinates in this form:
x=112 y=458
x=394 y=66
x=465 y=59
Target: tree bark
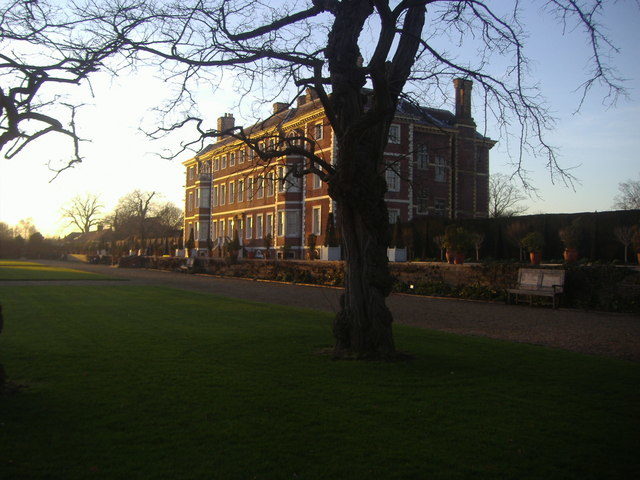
x=2 y=373
x=362 y=327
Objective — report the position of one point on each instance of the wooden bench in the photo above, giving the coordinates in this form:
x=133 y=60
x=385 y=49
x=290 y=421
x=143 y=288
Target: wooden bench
x=538 y=282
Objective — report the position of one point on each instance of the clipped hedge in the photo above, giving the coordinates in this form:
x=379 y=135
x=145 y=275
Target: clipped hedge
x=595 y=287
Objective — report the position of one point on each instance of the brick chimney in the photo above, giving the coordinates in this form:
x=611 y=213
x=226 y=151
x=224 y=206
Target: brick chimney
x=312 y=94
x=279 y=107
x=463 y=100
x=226 y=122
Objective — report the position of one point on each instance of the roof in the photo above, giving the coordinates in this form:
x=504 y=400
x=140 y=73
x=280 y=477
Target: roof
x=427 y=116
x=93 y=236
x=279 y=118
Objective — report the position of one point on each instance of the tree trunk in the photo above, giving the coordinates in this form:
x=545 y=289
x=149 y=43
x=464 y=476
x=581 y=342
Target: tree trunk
x=362 y=327
x=2 y=374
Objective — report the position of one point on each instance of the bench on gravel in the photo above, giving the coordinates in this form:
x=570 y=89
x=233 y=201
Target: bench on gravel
x=538 y=282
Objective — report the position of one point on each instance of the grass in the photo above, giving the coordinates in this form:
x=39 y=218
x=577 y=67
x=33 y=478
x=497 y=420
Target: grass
x=146 y=382
x=35 y=271
x=16 y=263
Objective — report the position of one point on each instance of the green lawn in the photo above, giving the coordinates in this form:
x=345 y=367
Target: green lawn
x=16 y=263
x=148 y=383
x=35 y=271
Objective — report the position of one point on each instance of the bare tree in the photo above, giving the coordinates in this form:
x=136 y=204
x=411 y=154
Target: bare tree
x=629 y=196
x=625 y=235
x=477 y=239
x=83 y=211
x=6 y=232
x=44 y=46
x=505 y=197
x=132 y=212
x=170 y=218
x=25 y=228
x=337 y=47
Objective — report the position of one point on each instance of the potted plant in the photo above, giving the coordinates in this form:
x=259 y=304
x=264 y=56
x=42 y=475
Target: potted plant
x=570 y=237
x=232 y=248
x=456 y=240
x=268 y=243
x=331 y=249
x=534 y=243
x=397 y=251
x=311 y=244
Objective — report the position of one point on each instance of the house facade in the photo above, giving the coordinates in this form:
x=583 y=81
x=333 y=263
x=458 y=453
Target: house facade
x=436 y=164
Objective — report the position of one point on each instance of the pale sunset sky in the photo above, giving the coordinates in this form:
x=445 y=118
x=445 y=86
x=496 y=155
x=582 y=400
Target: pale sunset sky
x=602 y=144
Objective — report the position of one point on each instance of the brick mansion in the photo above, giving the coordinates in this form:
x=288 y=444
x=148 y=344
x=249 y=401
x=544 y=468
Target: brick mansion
x=437 y=164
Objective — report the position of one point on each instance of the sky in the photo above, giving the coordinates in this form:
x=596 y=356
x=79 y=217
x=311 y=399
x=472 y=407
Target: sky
x=601 y=143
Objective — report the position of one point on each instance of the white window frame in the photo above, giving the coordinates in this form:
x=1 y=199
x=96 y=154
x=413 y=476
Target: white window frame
x=248 y=227
x=232 y=192
x=440 y=211
x=223 y=194
x=440 y=174
x=190 y=202
x=216 y=164
x=260 y=187
x=232 y=159
x=317 y=181
x=215 y=195
x=269 y=224
x=422 y=199
x=224 y=162
x=240 y=190
x=249 y=189
x=394 y=214
x=243 y=155
x=282 y=220
x=392 y=177
x=318 y=131
x=316 y=220
x=395 y=132
x=270 y=184
x=282 y=180
x=259 y=225
x=422 y=157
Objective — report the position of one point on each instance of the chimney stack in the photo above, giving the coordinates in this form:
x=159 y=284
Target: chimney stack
x=463 y=100
x=279 y=107
x=226 y=122
x=312 y=94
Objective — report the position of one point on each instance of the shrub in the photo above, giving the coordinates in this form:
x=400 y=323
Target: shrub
x=533 y=242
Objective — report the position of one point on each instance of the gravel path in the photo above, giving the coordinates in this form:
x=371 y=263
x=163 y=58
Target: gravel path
x=598 y=333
